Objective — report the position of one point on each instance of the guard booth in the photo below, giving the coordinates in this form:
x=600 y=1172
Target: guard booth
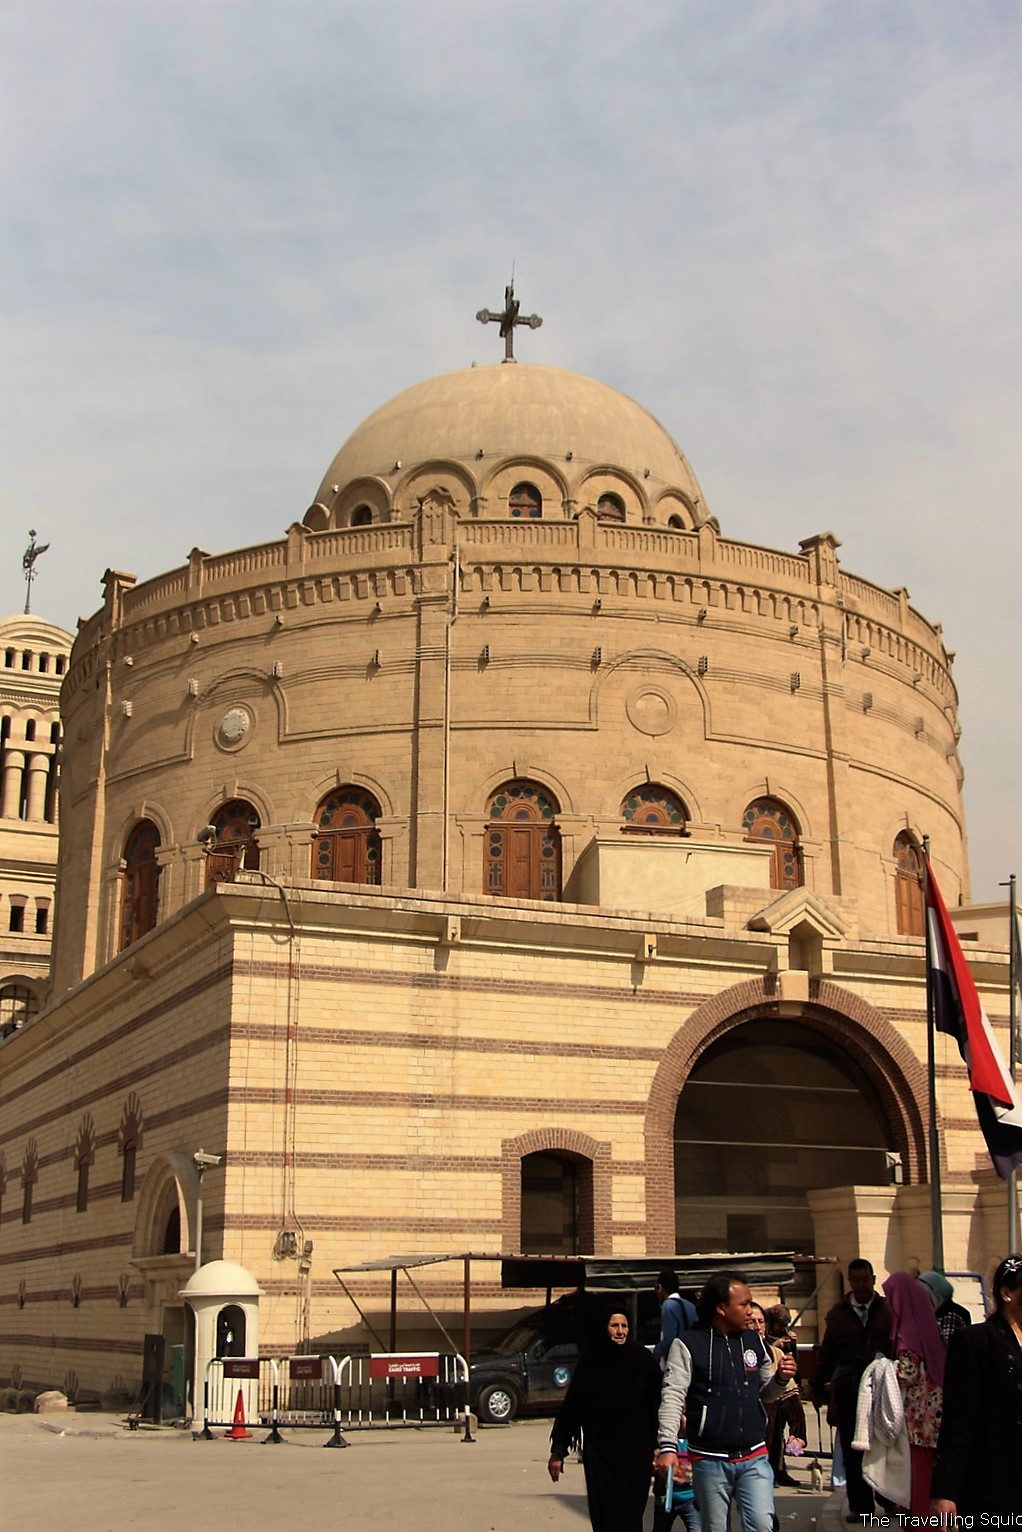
x=224 y=1298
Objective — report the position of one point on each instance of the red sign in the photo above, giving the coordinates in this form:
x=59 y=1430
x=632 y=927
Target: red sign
x=241 y=1366
x=404 y=1365
x=307 y=1367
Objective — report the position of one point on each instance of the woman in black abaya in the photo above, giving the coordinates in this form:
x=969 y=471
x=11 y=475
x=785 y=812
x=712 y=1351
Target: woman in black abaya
x=612 y=1403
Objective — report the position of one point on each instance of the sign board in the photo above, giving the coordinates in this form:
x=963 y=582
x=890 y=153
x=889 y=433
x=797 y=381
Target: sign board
x=241 y=1366
x=405 y=1365
x=305 y=1368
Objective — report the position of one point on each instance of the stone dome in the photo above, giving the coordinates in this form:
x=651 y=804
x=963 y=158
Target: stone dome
x=514 y=411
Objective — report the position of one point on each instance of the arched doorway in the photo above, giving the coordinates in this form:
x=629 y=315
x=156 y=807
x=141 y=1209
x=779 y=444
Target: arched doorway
x=772 y=1110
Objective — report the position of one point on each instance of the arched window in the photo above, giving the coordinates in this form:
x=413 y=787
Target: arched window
x=347 y=847
x=522 y=856
x=675 y=523
x=362 y=516
x=557 y=1204
x=653 y=810
x=18 y=1004
x=908 y=886
x=139 y=882
x=525 y=500
x=610 y=507
x=236 y=825
x=767 y=819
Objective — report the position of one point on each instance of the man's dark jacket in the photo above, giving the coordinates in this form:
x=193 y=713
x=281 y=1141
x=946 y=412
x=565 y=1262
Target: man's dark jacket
x=847 y=1342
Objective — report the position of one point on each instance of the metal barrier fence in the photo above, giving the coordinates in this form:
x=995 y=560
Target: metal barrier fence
x=317 y=1392
x=404 y=1389
x=299 y=1392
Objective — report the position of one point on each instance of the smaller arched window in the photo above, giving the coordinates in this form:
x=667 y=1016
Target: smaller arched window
x=235 y=846
x=766 y=819
x=18 y=1004
x=525 y=500
x=653 y=810
x=522 y=857
x=347 y=847
x=610 y=507
x=139 y=882
x=362 y=516
x=908 y=886
x=675 y=523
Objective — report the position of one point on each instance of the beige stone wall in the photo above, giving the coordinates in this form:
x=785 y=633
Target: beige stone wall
x=33 y=656
x=429 y=661
x=374 y=1080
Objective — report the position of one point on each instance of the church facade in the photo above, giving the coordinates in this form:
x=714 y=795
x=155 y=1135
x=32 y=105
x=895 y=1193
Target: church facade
x=503 y=860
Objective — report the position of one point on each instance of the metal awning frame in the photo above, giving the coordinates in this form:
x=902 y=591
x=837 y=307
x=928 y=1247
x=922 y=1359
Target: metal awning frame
x=586 y=1273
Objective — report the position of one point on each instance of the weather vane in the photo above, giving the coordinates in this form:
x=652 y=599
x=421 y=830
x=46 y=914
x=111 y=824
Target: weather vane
x=33 y=552
x=508 y=319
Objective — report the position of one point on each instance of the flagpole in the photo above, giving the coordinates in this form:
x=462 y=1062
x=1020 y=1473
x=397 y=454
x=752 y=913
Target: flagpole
x=936 y=1210
x=1013 y=1050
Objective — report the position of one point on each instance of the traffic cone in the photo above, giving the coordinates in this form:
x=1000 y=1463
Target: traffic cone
x=238 y=1432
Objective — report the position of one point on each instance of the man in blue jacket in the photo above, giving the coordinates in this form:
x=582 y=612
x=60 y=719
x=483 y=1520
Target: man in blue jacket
x=716 y=1374
x=676 y=1313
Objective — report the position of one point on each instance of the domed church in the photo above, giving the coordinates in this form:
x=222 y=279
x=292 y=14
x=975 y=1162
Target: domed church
x=504 y=860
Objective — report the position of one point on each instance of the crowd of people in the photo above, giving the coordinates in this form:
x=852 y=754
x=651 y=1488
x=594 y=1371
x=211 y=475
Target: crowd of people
x=927 y=1406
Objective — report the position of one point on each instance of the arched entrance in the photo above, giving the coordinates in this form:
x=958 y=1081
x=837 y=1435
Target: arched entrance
x=771 y=1111
x=834 y=1041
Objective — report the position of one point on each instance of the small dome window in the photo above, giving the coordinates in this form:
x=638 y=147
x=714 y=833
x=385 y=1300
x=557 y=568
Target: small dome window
x=610 y=507
x=653 y=810
x=525 y=500
x=676 y=524
x=362 y=516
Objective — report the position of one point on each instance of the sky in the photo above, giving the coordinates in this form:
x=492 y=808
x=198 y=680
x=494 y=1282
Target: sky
x=790 y=228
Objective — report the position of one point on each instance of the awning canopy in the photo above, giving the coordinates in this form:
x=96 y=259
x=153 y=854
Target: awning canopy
x=625 y=1272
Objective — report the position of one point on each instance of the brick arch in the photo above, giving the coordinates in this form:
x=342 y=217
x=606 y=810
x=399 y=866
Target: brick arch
x=574 y=1145
x=858 y=1028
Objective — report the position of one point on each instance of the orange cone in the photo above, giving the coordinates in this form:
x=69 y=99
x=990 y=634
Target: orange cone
x=238 y=1432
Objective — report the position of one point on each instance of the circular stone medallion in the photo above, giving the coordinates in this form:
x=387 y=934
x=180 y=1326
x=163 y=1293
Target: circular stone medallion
x=233 y=729
x=651 y=711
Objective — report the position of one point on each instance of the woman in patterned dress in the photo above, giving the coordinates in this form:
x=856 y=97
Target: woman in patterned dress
x=919 y=1353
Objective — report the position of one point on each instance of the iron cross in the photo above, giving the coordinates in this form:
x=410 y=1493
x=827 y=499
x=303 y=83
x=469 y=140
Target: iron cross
x=33 y=552
x=508 y=319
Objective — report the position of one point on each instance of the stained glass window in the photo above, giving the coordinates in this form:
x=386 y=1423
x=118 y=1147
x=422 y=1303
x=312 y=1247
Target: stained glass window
x=525 y=500
x=653 y=809
x=347 y=847
x=610 y=507
x=522 y=845
x=767 y=819
x=908 y=886
x=140 y=882
x=236 y=824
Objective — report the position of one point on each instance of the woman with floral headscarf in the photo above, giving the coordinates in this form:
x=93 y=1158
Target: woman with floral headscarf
x=919 y=1354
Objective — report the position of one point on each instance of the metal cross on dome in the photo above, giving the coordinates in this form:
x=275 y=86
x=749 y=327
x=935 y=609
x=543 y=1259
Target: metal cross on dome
x=508 y=319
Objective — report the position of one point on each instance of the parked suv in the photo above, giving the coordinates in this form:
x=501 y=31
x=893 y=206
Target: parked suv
x=529 y=1367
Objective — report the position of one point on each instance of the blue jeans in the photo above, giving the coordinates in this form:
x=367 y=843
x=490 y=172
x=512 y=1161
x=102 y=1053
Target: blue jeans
x=750 y=1486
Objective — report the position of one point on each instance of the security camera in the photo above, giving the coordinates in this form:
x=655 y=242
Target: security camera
x=204 y=1161
x=207 y=835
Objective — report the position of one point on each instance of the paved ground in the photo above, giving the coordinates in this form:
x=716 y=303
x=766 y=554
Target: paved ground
x=89 y=1472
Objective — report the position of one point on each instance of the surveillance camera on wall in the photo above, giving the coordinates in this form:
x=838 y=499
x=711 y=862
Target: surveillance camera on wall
x=207 y=835
x=204 y=1161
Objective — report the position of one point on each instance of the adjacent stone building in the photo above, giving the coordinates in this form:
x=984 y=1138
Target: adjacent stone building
x=33 y=659
x=504 y=860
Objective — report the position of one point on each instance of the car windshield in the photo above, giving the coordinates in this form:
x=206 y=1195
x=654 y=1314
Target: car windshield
x=519 y=1338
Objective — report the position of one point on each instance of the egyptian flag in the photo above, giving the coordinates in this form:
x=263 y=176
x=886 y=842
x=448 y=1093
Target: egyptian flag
x=957 y=1011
